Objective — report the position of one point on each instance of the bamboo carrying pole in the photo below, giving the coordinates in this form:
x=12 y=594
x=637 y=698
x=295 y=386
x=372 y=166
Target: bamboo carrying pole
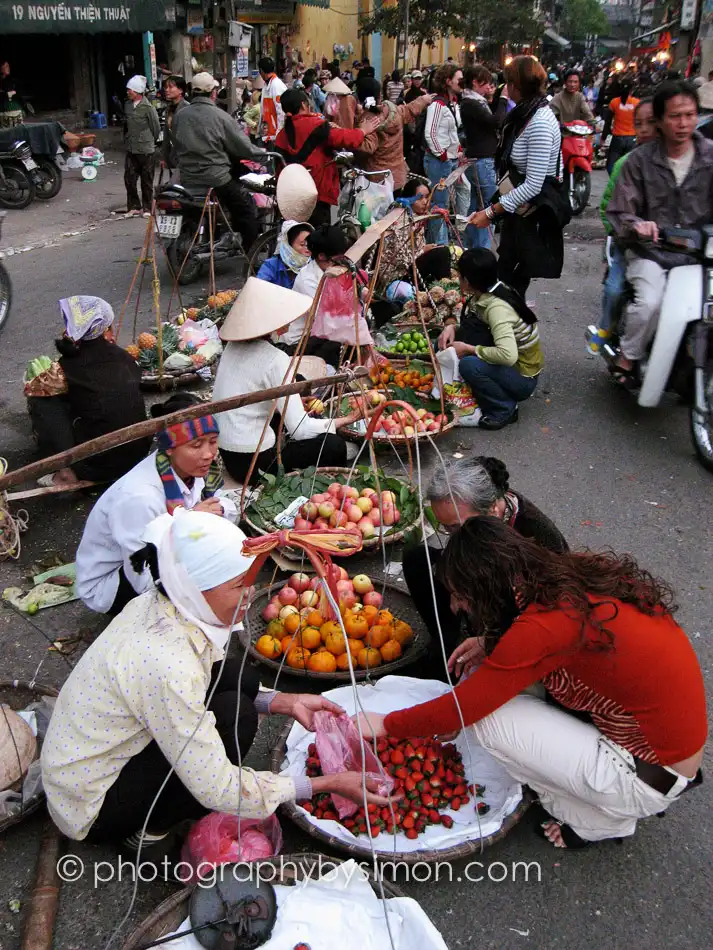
x=142 y=430
x=39 y=923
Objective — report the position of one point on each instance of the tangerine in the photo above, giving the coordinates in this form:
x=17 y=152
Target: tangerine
x=331 y=626
x=275 y=628
x=356 y=625
x=402 y=632
x=298 y=658
x=287 y=643
x=322 y=662
x=310 y=638
x=292 y=623
x=384 y=617
x=343 y=662
x=268 y=646
x=370 y=614
x=369 y=658
x=391 y=651
x=315 y=618
x=354 y=646
x=336 y=643
x=379 y=635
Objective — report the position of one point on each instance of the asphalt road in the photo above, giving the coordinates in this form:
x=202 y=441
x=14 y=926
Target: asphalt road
x=609 y=473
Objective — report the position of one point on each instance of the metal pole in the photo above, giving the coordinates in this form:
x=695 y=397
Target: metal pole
x=231 y=54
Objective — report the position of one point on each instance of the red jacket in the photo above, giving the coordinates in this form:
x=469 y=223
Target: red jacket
x=317 y=155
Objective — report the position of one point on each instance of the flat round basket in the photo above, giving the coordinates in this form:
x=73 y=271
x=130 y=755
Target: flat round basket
x=18 y=694
x=382 y=439
x=153 y=381
x=398 y=602
x=361 y=851
x=393 y=534
x=289 y=869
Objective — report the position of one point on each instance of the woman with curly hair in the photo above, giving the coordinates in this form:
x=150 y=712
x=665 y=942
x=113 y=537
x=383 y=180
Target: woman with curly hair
x=598 y=632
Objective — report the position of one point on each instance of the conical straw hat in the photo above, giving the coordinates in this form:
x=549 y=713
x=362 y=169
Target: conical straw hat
x=260 y=309
x=339 y=86
x=296 y=193
x=17 y=748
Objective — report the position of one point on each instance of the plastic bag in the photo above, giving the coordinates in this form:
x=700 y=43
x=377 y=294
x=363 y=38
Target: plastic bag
x=214 y=840
x=378 y=196
x=457 y=395
x=334 y=319
x=340 y=750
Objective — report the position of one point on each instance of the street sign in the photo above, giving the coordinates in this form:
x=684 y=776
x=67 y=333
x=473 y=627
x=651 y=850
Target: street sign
x=86 y=16
x=689 y=8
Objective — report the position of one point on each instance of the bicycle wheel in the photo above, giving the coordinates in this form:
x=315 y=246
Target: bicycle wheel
x=264 y=247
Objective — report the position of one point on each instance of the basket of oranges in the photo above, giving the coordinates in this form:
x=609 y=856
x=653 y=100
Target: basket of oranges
x=294 y=630
x=417 y=375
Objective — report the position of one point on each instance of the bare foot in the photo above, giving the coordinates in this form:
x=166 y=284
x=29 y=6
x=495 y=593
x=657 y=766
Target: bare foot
x=553 y=833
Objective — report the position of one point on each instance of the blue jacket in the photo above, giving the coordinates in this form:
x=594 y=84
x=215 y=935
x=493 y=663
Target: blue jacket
x=274 y=271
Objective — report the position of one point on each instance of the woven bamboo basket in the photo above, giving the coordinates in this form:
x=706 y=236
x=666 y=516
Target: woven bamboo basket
x=361 y=848
x=171 y=913
x=394 y=533
x=18 y=694
x=400 y=605
x=382 y=439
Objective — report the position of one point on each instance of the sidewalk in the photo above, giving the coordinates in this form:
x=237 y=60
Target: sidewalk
x=79 y=205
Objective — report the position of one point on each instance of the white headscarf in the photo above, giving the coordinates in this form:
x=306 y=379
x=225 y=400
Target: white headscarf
x=137 y=84
x=196 y=552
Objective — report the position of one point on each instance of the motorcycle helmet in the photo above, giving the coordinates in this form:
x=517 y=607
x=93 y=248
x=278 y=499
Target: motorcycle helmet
x=240 y=907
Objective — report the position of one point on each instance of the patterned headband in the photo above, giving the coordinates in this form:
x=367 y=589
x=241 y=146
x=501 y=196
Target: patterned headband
x=184 y=432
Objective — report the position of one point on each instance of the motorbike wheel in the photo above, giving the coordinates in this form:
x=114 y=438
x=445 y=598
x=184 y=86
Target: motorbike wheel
x=702 y=426
x=579 y=196
x=51 y=180
x=264 y=247
x=18 y=189
x=187 y=270
x=5 y=295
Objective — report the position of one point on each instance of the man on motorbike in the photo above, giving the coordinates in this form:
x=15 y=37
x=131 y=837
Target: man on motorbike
x=571 y=105
x=665 y=184
x=208 y=143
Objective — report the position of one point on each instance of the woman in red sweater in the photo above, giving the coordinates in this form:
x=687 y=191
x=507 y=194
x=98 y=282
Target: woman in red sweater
x=308 y=139
x=596 y=631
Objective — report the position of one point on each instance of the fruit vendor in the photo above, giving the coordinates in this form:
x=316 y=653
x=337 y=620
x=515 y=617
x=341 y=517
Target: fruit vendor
x=460 y=489
x=181 y=473
x=102 y=394
x=598 y=631
x=149 y=701
x=251 y=363
x=292 y=255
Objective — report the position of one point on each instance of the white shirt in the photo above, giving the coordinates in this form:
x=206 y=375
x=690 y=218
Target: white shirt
x=248 y=367
x=146 y=677
x=306 y=282
x=114 y=528
x=681 y=166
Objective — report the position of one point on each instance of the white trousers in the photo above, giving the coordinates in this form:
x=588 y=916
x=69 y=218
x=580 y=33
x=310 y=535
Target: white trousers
x=581 y=777
x=648 y=281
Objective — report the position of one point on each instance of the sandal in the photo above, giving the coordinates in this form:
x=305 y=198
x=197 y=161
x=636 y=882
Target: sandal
x=626 y=378
x=571 y=840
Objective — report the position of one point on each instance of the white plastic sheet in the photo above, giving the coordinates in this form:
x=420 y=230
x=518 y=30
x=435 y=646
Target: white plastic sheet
x=502 y=792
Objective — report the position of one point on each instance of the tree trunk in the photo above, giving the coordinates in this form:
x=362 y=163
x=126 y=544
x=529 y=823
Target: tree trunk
x=418 y=56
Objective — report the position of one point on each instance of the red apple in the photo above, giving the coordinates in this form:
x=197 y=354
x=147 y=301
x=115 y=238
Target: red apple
x=338 y=520
x=366 y=526
x=309 y=598
x=362 y=582
x=348 y=600
x=309 y=511
x=367 y=493
x=286 y=611
x=271 y=612
x=388 y=497
x=373 y=599
x=318 y=499
x=320 y=523
x=374 y=516
x=301 y=524
x=299 y=582
x=354 y=513
x=345 y=587
x=388 y=515
x=287 y=596
x=343 y=573
x=315 y=583
x=336 y=489
x=366 y=504
x=326 y=509
x=350 y=492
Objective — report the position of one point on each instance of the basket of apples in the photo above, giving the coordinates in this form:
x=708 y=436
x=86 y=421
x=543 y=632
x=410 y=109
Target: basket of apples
x=397 y=421
x=381 y=506
x=294 y=625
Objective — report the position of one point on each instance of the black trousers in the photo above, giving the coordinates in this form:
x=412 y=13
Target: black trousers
x=128 y=800
x=124 y=594
x=238 y=204
x=330 y=450
x=139 y=168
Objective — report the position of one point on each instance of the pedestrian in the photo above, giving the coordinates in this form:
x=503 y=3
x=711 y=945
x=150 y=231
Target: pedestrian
x=621 y=123
x=272 y=117
x=11 y=111
x=142 y=130
x=291 y=256
x=174 y=91
x=416 y=88
x=394 y=87
x=481 y=126
x=442 y=140
x=313 y=90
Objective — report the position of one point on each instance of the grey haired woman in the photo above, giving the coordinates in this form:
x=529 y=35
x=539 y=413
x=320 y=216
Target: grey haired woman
x=460 y=489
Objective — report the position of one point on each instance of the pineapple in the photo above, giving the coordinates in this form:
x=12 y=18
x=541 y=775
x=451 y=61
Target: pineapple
x=133 y=350
x=146 y=341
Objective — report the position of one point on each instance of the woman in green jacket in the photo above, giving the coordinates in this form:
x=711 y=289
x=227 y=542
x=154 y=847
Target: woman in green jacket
x=498 y=342
x=141 y=134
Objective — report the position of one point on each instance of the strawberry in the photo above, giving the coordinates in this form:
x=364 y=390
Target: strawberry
x=318 y=813
x=446 y=821
x=375 y=829
x=464 y=799
x=447 y=793
x=381 y=745
x=330 y=815
x=411 y=833
x=384 y=758
x=385 y=814
x=428 y=767
x=435 y=782
x=450 y=777
x=409 y=784
x=482 y=808
x=311 y=749
x=459 y=789
x=421 y=752
x=372 y=809
x=401 y=772
x=455 y=803
x=393 y=742
x=480 y=790
x=408 y=750
x=348 y=822
x=417 y=777
x=308 y=807
x=408 y=824
x=397 y=756
x=434 y=817
x=427 y=799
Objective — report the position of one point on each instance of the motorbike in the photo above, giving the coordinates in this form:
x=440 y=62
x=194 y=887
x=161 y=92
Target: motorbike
x=19 y=176
x=5 y=285
x=680 y=358
x=186 y=230
x=577 y=159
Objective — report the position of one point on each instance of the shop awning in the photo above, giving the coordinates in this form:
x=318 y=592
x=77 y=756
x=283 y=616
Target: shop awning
x=556 y=38
x=658 y=29
x=613 y=44
x=314 y=3
x=87 y=16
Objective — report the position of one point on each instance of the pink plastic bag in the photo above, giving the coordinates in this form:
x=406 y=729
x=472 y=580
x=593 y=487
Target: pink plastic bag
x=214 y=840
x=340 y=750
x=335 y=317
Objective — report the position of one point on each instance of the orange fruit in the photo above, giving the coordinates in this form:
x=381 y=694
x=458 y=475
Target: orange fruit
x=402 y=632
x=354 y=646
x=287 y=643
x=275 y=628
x=298 y=658
x=384 y=617
x=343 y=662
x=331 y=626
x=315 y=619
x=336 y=643
x=322 y=662
x=370 y=614
x=269 y=647
x=379 y=635
x=310 y=638
x=391 y=651
x=369 y=658
x=292 y=623
x=356 y=625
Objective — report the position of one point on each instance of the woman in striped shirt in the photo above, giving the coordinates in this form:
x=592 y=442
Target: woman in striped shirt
x=598 y=632
x=394 y=87
x=531 y=243
x=498 y=341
